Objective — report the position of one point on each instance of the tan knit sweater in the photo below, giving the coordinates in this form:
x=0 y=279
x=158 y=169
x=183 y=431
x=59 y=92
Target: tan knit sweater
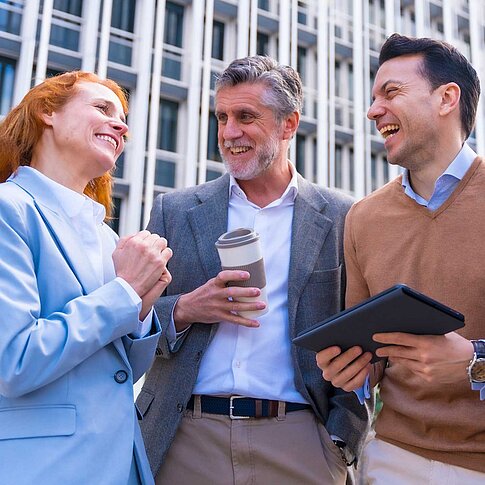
x=390 y=239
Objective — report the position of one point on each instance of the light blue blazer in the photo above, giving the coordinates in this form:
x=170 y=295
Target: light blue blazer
x=67 y=366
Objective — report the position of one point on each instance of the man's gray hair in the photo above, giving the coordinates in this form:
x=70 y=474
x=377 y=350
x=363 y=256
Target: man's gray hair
x=284 y=94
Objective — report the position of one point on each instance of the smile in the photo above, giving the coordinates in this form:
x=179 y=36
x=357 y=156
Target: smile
x=109 y=139
x=238 y=150
x=389 y=130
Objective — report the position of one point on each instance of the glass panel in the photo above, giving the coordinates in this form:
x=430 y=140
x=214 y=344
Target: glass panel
x=218 y=40
x=263 y=5
x=123 y=15
x=64 y=37
x=9 y=19
x=74 y=7
x=301 y=63
x=120 y=166
x=338 y=166
x=167 y=126
x=212 y=143
x=212 y=175
x=120 y=53
x=165 y=173
x=7 y=78
x=174 y=21
x=300 y=154
x=172 y=66
x=262 y=44
x=115 y=221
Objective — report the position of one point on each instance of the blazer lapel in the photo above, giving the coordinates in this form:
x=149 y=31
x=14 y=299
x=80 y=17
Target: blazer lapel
x=59 y=227
x=208 y=220
x=309 y=229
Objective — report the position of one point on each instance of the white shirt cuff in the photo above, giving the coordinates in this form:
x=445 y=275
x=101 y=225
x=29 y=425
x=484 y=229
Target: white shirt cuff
x=145 y=326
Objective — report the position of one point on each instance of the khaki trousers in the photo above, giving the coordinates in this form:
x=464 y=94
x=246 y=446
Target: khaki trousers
x=211 y=449
x=385 y=464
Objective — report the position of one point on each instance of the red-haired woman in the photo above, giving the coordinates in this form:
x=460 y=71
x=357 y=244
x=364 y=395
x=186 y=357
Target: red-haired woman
x=76 y=326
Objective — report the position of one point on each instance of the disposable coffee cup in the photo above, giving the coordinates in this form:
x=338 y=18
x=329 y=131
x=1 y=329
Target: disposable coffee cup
x=241 y=250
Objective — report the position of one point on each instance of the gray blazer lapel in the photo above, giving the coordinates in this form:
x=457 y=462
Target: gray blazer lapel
x=309 y=229
x=208 y=220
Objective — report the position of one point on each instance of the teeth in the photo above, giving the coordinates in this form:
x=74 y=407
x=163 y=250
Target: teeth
x=109 y=139
x=389 y=130
x=235 y=150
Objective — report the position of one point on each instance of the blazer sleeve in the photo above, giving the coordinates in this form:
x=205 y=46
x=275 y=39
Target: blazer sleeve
x=37 y=348
x=165 y=304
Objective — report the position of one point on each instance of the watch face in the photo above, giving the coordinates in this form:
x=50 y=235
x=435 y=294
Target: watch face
x=477 y=371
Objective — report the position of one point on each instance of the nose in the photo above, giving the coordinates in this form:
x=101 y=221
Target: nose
x=120 y=126
x=375 y=110
x=231 y=130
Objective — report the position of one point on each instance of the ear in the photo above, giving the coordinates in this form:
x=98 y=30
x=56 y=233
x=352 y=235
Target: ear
x=450 y=98
x=290 y=125
x=47 y=118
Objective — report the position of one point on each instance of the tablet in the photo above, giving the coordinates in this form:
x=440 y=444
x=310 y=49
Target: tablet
x=397 y=309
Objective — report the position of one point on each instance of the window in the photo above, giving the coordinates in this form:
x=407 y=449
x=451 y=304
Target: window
x=123 y=15
x=263 y=5
x=262 y=44
x=300 y=154
x=212 y=142
x=167 y=125
x=165 y=173
x=7 y=78
x=218 y=40
x=338 y=167
x=173 y=36
x=74 y=7
x=10 y=17
x=114 y=222
x=301 y=63
x=174 y=20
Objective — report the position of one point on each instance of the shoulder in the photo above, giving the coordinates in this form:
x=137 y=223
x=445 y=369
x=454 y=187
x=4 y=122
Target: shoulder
x=381 y=199
x=190 y=196
x=332 y=200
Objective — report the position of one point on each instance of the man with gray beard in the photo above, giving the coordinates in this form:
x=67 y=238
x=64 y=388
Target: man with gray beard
x=228 y=398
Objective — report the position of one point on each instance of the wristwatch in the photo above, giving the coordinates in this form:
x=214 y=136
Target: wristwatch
x=347 y=457
x=476 y=369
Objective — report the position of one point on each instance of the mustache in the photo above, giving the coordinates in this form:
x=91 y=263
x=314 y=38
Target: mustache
x=239 y=143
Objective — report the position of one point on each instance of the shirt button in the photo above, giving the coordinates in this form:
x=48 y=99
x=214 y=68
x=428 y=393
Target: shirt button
x=121 y=376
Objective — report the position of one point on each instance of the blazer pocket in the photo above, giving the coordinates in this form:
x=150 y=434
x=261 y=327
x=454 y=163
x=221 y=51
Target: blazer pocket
x=143 y=403
x=326 y=276
x=37 y=421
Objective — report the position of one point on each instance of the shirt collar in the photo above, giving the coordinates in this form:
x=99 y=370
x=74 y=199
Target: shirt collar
x=72 y=202
x=457 y=168
x=290 y=192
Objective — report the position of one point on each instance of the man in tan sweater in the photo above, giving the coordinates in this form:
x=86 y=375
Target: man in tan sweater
x=426 y=228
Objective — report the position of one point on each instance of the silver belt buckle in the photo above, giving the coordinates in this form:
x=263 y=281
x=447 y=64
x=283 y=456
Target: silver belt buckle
x=231 y=408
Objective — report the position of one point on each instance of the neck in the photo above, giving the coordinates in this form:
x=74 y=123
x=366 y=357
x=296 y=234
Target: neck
x=60 y=176
x=268 y=186
x=423 y=176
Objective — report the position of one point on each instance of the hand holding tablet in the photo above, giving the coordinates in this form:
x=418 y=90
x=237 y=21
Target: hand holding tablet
x=397 y=309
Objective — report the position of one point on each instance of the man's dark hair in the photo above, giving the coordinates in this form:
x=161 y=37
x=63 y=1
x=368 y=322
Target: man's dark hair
x=284 y=94
x=442 y=63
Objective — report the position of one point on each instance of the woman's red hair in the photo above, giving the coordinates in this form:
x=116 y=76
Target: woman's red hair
x=22 y=128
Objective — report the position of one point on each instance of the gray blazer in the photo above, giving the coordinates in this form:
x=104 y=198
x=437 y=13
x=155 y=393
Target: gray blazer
x=191 y=220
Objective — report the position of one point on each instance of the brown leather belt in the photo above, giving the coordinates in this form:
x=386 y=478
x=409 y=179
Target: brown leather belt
x=241 y=407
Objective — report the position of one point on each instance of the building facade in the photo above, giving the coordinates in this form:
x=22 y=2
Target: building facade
x=166 y=53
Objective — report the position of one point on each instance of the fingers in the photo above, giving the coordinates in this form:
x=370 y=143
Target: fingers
x=141 y=260
x=346 y=370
